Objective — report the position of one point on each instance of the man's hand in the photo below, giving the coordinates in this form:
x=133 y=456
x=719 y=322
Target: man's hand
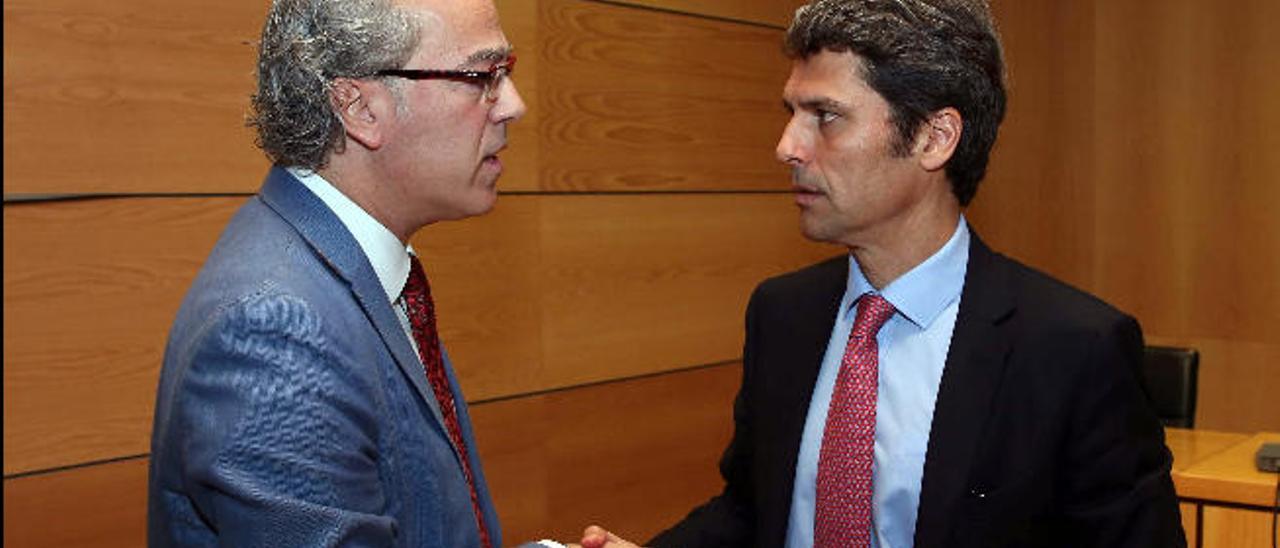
x=597 y=537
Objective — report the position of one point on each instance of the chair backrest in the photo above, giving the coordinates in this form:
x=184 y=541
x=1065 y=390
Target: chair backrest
x=1171 y=383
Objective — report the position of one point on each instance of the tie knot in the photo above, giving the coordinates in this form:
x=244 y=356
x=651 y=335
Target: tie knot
x=873 y=311
x=416 y=286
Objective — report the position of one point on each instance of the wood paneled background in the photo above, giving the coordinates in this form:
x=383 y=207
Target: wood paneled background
x=595 y=315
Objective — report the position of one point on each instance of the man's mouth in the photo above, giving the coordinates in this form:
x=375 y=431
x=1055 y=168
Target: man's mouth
x=492 y=156
x=805 y=195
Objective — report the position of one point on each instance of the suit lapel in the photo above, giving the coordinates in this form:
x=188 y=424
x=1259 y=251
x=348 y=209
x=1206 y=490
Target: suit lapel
x=975 y=363
x=337 y=247
x=808 y=322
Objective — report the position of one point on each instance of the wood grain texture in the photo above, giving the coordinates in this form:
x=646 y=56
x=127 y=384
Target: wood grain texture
x=1187 y=511
x=645 y=100
x=1229 y=528
x=565 y=282
x=1038 y=200
x=1135 y=164
x=1191 y=446
x=776 y=13
x=101 y=506
x=1187 y=238
x=90 y=289
x=1230 y=475
x=137 y=96
x=634 y=456
x=142 y=96
x=519 y=20
x=663 y=434
x=546 y=292
x=1237 y=383
x=620 y=97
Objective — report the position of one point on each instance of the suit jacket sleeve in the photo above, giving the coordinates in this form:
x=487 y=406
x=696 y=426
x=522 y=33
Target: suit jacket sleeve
x=727 y=519
x=280 y=431
x=1118 y=491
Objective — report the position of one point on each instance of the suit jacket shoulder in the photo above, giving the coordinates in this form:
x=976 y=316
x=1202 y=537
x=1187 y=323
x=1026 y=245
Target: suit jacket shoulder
x=1042 y=434
x=291 y=407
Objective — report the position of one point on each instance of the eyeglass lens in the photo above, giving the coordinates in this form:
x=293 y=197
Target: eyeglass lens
x=499 y=74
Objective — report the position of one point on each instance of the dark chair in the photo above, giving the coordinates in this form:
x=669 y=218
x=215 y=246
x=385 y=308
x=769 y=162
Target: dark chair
x=1171 y=383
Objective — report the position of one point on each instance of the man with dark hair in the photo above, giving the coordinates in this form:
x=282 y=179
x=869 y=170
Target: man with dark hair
x=923 y=390
x=305 y=398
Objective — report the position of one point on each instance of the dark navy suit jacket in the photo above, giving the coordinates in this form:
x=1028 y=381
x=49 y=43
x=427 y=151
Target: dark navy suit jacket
x=292 y=409
x=1042 y=434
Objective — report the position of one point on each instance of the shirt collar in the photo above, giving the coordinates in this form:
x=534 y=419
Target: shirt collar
x=924 y=291
x=388 y=257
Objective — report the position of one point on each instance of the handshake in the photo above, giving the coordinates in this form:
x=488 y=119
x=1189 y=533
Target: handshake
x=593 y=537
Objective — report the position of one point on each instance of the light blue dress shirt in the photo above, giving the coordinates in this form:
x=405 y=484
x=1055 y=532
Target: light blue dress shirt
x=913 y=348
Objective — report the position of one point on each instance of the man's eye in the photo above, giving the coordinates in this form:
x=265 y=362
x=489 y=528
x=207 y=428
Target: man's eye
x=825 y=116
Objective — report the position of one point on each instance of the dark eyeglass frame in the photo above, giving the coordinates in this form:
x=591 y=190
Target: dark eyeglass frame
x=489 y=80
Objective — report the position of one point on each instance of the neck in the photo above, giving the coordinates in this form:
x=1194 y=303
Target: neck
x=899 y=246
x=354 y=178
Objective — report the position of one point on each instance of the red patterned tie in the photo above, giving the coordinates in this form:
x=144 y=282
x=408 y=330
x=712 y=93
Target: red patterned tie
x=422 y=317
x=842 y=513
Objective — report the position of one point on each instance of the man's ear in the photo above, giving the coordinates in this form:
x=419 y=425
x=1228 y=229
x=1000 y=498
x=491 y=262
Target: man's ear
x=362 y=107
x=938 y=138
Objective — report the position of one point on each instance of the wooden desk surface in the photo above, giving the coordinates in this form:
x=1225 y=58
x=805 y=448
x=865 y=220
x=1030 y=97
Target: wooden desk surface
x=1192 y=446
x=1227 y=474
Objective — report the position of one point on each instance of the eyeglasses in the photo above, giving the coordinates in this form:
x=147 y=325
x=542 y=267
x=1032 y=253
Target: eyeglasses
x=490 y=80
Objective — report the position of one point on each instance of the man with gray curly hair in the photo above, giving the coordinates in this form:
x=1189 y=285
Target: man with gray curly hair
x=305 y=398
x=922 y=390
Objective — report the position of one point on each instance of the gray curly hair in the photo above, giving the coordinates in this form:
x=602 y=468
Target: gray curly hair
x=305 y=45
x=920 y=56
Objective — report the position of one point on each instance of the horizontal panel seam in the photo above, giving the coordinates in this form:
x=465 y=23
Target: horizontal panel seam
x=566 y=388
x=21 y=199
x=613 y=380
x=77 y=466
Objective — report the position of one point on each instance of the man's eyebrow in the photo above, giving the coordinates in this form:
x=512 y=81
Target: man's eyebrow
x=820 y=103
x=488 y=55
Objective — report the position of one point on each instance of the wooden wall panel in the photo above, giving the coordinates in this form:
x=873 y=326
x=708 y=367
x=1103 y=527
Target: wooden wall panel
x=775 y=13
x=546 y=292
x=669 y=276
x=149 y=99
x=140 y=96
x=137 y=96
x=1190 y=155
x=1186 y=236
x=646 y=100
x=519 y=20
x=1230 y=528
x=90 y=289
x=1037 y=201
x=634 y=456
x=1135 y=164
x=539 y=452
x=101 y=506
x=1237 y=385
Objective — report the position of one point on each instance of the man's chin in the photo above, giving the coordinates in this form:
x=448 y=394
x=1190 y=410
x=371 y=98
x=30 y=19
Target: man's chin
x=484 y=203
x=815 y=231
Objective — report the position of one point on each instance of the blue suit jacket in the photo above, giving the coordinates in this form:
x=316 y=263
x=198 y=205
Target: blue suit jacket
x=292 y=409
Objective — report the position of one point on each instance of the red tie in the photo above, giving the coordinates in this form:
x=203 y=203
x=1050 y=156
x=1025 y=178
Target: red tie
x=422 y=317
x=842 y=513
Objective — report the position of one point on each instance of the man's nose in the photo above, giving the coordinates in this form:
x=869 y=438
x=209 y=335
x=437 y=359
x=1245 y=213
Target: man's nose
x=510 y=106
x=790 y=149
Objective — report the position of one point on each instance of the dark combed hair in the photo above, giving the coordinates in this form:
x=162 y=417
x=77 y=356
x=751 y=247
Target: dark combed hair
x=920 y=56
x=305 y=45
